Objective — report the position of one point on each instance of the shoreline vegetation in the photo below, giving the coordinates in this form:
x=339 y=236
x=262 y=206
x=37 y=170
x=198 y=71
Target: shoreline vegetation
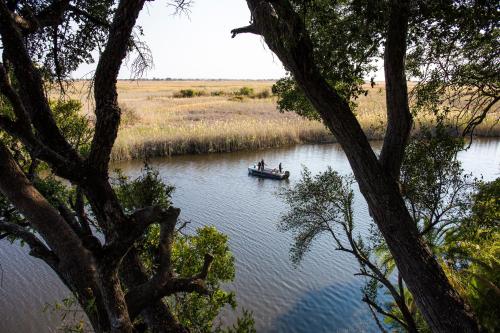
x=175 y=117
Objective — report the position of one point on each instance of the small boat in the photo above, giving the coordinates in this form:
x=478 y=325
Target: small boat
x=268 y=173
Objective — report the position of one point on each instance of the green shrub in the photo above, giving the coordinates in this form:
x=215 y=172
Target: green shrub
x=245 y=91
x=199 y=93
x=185 y=93
x=188 y=93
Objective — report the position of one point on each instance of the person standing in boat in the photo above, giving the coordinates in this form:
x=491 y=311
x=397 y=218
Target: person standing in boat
x=279 y=167
x=259 y=165
x=262 y=164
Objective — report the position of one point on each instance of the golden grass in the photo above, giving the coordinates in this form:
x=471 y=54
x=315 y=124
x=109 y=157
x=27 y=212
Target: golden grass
x=154 y=123
x=209 y=124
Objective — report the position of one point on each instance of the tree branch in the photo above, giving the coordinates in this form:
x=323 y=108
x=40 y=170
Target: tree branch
x=377 y=321
x=14 y=99
x=157 y=315
x=207 y=264
x=30 y=82
x=88 y=16
x=49 y=16
x=151 y=291
x=37 y=248
x=382 y=312
x=163 y=283
x=57 y=234
x=38 y=150
x=139 y=221
x=105 y=94
x=69 y=217
x=247 y=29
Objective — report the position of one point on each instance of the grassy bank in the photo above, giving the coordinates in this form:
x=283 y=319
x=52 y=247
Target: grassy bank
x=162 y=118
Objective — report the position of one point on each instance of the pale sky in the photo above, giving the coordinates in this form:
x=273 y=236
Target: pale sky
x=200 y=46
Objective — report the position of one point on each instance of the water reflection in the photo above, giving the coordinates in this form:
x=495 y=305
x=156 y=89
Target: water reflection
x=314 y=311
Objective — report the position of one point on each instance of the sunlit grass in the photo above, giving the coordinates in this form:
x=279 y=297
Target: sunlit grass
x=155 y=123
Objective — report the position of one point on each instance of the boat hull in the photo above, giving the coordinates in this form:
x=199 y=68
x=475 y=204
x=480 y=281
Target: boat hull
x=268 y=173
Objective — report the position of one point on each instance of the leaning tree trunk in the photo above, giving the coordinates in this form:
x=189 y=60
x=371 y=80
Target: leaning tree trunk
x=286 y=35
x=64 y=246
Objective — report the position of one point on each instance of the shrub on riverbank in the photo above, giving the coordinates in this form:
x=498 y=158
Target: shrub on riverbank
x=188 y=93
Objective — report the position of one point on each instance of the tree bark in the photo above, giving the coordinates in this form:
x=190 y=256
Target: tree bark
x=399 y=119
x=105 y=94
x=90 y=273
x=157 y=315
x=441 y=306
x=81 y=279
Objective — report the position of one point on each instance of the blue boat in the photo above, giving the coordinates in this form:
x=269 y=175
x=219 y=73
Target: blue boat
x=268 y=173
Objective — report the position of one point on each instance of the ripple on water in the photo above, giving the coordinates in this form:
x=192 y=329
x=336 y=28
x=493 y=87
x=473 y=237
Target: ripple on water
x=320 y=295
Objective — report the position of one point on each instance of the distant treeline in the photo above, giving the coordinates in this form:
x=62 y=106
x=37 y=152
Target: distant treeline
x=177 y=79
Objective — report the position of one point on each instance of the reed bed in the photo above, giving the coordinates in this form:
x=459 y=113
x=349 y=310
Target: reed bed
x=157 y=123
x=209 y=124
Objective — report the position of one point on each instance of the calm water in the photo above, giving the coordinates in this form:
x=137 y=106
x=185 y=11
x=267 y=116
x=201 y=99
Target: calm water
x=321 y=295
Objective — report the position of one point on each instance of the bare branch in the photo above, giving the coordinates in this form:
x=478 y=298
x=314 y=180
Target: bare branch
x=382 y=312
x=183 y=225
x=247 y=29
x=180 y=6
x=471 y=125
x=144 y=59
x=377 y=321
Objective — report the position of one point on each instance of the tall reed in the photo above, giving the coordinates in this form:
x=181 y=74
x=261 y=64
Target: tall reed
x=158 y=121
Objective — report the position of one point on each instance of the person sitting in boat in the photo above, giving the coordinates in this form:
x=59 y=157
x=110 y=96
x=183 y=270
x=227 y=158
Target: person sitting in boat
x=279 y=167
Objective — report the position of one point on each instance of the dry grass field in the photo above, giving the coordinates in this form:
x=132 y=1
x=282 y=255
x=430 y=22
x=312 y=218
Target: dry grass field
x=157 y=122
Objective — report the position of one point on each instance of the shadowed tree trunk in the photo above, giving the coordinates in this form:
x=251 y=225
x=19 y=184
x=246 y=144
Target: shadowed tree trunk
x=112 y=293
x=285 y=34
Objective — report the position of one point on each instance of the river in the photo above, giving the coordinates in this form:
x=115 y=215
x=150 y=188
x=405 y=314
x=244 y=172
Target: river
x=320 y=295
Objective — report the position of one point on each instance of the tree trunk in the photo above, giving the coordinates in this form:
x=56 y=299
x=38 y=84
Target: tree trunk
x=81 y=279
x=87 y=267
x=399 y=118
x=157 y=315
x=440 y=304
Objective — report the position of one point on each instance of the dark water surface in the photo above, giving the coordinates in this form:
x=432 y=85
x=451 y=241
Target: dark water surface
x=321 y=295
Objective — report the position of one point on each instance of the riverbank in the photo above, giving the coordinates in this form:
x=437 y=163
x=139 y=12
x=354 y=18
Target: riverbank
x=164 y=118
